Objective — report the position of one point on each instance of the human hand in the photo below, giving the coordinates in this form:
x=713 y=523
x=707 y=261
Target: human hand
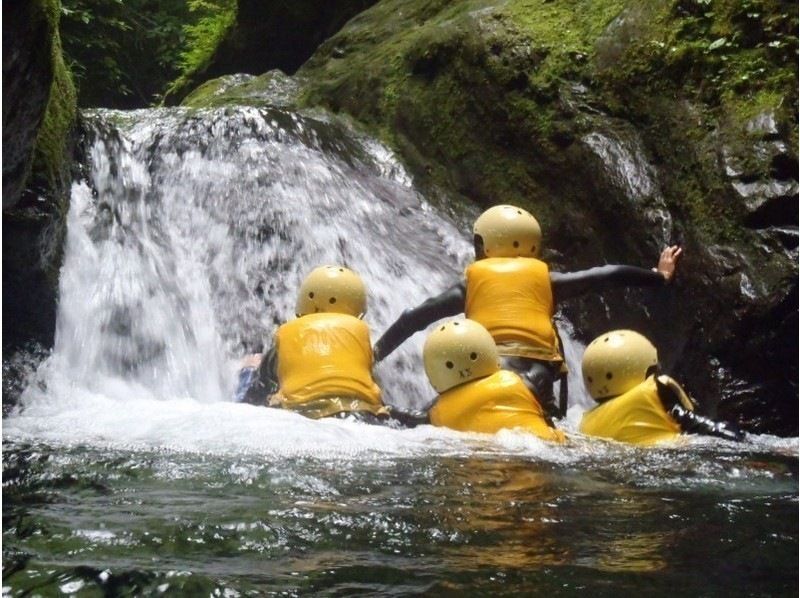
x=668 y=261
x=251 y=361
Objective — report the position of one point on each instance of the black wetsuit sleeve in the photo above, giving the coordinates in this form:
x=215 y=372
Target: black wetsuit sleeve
x=692 y=422
x=268 y=370
x=410 y=419
x=573 y=284
x=448 y=303
x=267 y=381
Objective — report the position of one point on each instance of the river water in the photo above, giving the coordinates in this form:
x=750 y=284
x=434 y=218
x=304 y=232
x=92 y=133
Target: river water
x=128 y=471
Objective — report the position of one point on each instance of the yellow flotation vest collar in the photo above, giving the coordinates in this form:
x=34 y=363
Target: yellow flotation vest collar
x=490 y=404
x=637 y=416
x=513 y=299
x=324 y=366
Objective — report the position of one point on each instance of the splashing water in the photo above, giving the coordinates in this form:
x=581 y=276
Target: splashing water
x=189 y=238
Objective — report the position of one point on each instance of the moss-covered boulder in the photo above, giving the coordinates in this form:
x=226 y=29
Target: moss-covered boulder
x=39 y=114
x=268 y=35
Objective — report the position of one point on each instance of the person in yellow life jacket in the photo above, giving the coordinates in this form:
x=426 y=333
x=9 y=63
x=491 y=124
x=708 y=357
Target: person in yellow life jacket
x=635 y=404
x=320 y=364
x=475 y=395
x=513 y=294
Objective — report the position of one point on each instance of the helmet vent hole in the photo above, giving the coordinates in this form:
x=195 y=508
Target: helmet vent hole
x=442 y=329
x=311 y=295
x=516 y=244
x=473 y=356
x=609 y=375
x=455 y=323
x=605 y=340
x=449 y=365
x=519 y=212
x=332 y=300
x=590 y=379
x=533 y=248
x=341 y=269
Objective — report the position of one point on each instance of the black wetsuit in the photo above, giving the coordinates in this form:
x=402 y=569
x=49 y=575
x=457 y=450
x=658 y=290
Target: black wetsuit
x=538 y=375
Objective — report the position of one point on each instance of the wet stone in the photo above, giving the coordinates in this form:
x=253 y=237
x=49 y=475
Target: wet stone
x=764 y=124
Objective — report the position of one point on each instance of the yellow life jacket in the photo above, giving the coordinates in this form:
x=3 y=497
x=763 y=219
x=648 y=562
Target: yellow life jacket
x=512 y=298
x=324 y=366
x=637 y=416
x=491 y=404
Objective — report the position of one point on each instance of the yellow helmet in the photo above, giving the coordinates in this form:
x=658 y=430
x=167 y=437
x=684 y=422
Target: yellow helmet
x=332 y=289
x=508 y=231
x=616 y=361
x=457 y=352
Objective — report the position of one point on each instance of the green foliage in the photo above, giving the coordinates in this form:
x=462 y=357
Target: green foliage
x=49 y=156
x=214 y=17
x=123 y=53
x=211 y=20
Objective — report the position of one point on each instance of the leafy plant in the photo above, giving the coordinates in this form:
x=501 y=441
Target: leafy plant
x=123 y=53
x=212 y=19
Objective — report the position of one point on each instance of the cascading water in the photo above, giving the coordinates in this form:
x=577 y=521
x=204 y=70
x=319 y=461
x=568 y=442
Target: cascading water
x=190 y=246
x=128 y=470
x=187 y=242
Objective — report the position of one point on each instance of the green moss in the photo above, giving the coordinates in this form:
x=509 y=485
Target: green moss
x=50 y=158
x=730 y=60
x=270 y=89
x=474 y=84
x=215 y=23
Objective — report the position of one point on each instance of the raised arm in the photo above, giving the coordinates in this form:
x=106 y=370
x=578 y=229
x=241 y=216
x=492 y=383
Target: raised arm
x=574 y=284
x=448 y=303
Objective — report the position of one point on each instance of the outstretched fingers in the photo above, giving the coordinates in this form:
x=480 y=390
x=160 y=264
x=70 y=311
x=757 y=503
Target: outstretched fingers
x=668 y=260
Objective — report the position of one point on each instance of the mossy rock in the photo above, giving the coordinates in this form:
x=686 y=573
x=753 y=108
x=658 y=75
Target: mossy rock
x=263 y=36
x=43 y=113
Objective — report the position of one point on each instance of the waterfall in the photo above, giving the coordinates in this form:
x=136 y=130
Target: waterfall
x=190 y=238
x=187 y=241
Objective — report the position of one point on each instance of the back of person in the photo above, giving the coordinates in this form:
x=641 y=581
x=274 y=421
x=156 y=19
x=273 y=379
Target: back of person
x=512 y=298
x=637 y=416
x=324 y=363
x=488 y=405
x=320 y=364
x=636 y=404
x=475 y=395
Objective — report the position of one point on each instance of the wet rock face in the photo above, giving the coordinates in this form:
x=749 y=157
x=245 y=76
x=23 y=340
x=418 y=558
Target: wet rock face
x=38 y=119
x=28 y=298
x=763 y=173
x=27 y=75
